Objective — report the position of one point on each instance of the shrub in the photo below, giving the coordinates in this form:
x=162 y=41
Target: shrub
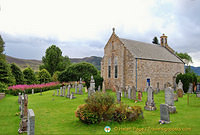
x=102 y=104
x=86 y=116
x=3 y=87
x=29 y=76
x=119 y=114
x=44 y=76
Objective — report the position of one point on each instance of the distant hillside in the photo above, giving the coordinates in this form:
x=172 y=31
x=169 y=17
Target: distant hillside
x=96 y=61
x=23 y=63
x=196 y=70
x=34 y=64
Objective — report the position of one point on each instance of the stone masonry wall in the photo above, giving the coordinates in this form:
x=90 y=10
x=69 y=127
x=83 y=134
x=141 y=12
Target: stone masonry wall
x=157 y=71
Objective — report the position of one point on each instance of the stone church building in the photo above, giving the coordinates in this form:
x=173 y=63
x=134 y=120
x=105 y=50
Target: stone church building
x=133 y=63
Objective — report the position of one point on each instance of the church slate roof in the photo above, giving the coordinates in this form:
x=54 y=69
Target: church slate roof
x=148 y=51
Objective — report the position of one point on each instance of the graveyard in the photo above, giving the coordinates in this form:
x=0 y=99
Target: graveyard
x=56 y=115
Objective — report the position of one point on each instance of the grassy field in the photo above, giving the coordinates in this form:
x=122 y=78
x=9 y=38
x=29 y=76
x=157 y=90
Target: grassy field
x=56 y=115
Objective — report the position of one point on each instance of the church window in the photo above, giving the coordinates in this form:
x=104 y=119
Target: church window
x=116 y=67
x=109 y=68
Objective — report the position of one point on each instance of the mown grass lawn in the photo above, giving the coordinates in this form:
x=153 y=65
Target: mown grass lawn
x=56 y=115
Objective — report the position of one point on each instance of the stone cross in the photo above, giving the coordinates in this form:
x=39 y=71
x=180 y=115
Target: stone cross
x=31 y=122
x=76 y=87
x=150 y=105
x=32 y=91
x=169 y=99
x=164 y=113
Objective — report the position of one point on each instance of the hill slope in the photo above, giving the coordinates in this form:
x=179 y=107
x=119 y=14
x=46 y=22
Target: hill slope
x=34 y=64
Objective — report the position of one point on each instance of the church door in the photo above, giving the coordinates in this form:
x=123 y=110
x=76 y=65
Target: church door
x=148 y=82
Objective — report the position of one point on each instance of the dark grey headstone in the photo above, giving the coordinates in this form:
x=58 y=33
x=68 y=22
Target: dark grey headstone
x=164 y=112
x=118 y=96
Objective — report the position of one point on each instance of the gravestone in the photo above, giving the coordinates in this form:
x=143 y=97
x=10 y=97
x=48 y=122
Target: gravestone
x=139 y=95
x=86 y=90
x=169 y=99
x=180 y=92
x=57 y=92
x=150 y=105
x=53 y=93
x=157 y=88
x=32 y=91
x=125 y=91
x=72 y=95
x=19 y=98
x=198 y=88
x=118 y=96
x=175 y=97
x=91 y=89
x=164 y=113
x=22 y=107
x=68 y=92
x=99 y=88
x=80 y=87
x=40 y=91
x=133 y=93
x=76 y=87
x=129 y=92
x=61 y=91
x=190 y=90
x=31 y=122
x=180 y=85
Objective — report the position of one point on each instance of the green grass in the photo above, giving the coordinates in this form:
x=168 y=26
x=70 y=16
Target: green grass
x=56 y=115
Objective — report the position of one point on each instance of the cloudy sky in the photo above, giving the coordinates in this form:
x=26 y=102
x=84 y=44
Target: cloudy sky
x=81 y=28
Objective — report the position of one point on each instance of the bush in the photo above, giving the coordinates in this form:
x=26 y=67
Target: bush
x=44 y=76
x=86 y=116
x=3 y=87
x=29 y=76
x=186 y=79
x=101 y=106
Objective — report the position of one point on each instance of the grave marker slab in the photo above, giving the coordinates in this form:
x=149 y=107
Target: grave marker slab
x=150 y=105
x=169 y=99
x=164 y=113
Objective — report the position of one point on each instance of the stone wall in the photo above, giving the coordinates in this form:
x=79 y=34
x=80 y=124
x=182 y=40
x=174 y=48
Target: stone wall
x=157 y=71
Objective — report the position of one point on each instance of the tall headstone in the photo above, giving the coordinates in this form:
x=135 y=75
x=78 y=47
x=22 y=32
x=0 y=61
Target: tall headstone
x=198 y=88
x=80 y=86
x=40 y=91
x=164 y=113
x=61 y=91
x=92 y=86
x=19 y=97
x=68 y=92
x=134 y=93
x=190 y=90
x=32 y=91
x=157 y=88
x=31 y=122
x=76 y=87
x=180 y=89
x=150 y=105
x=129 y=92
x=57 y=92
x=118 y=96
x=169 y=99
x=99 y=88
x=125 y=91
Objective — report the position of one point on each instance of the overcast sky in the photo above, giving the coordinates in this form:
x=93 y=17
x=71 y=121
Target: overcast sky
x=81 y=28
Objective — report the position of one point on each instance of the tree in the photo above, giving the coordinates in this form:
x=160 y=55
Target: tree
x=76 y=71
x=17 y=73
x=55 y=76
x=29 y=76
x=44 y=76
x=2 y=48
x=6 y=76
x=155 y=41
x=53 y=60
x=185 y=56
